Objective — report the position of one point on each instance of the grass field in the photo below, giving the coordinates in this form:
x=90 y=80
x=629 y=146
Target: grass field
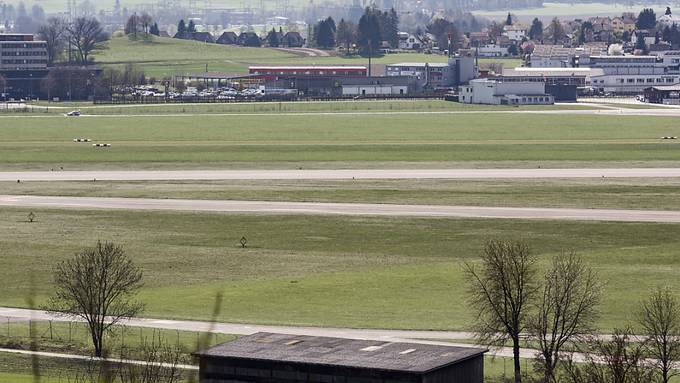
x=288 y=141
x=337 y=106
x=164 y=57
x=320 y=270
x=610 y=193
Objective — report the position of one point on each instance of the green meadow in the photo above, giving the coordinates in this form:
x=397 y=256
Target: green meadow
x=336 y=140
x=376 y=272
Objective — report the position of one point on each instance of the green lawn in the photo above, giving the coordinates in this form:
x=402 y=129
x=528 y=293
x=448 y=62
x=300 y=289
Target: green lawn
x=653 y=194
x=322 y=270
x=164 y=56
x=338 y=107
x=334 y=140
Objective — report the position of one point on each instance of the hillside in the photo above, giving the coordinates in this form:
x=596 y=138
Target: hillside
x=164 y=57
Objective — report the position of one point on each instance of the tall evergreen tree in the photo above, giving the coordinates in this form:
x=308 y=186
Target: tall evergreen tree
x=508 y=20
x=369 y=33
x=646 y=19
x=181 y=28
x=192 y=27
x=391 y=28
x=536 y=30
x=325 y=33
x=154 y=30
x=346 y=34
x=273 y=39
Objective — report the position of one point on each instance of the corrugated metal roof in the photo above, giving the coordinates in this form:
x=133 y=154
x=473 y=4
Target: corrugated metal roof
x=404 y=357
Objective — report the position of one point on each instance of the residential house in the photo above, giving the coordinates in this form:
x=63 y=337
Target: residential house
x=515 y=32
x=479 y=38
x=618 y=26
x=293 y=40
x=249 y=39
x=629 y=22
x=228 y=38
x=648 y=35
x=409 y=41
x=204 y=37
x=664 y=21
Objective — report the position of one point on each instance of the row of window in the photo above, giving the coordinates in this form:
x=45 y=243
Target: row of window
x=22 y=45
x=10 y=62
x=23 y=53
x=649 y=80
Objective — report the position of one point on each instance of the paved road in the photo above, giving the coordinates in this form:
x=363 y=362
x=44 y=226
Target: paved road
x=352 y=209
x=337 y=174
x=43 y=354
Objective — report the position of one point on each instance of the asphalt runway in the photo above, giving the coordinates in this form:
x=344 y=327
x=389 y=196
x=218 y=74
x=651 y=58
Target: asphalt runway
x=336 y=174
x=347 y=209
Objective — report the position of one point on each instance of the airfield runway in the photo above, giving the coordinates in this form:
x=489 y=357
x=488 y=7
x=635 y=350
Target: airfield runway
x=349 y=209
x=336 y=174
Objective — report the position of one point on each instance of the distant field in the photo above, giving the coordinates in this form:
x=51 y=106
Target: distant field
x=165 y=57
x=60 y=5
x=330 y=140
x=653 y=194
x=323 y=270
x=570 y=10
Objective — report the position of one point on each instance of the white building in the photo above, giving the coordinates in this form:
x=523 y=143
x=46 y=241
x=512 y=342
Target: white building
x=664 y=21
x=492 y=50
x=515 y=32
x=409 y=41
x=631 y=74
x=278 y=21
x=504 y=91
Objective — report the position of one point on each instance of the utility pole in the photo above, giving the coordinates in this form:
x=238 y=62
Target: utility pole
x=370 y=51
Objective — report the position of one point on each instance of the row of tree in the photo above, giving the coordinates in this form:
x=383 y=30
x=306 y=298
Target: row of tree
x=141 y=24
x=78 y=39
x=374 y=27
x=556 y=312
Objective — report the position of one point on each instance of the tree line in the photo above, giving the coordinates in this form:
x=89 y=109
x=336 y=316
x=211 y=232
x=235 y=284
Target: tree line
x=374 y=27
x=555 y=311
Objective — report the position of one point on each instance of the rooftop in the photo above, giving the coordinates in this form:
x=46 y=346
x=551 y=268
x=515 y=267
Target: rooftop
x=404 y=357
x=434 y=65
x=335 y=67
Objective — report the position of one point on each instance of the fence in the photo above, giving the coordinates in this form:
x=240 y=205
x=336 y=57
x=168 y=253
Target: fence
x=125 y=100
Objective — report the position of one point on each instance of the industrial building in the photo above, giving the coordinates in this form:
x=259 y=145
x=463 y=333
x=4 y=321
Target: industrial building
x=459 y=70
x=565 y=84
x=505 y=91
x=628 y=74
x=22 y=52
x=663 y=94
x=267 y=357
x=271 y=72
x=338 y=87
x=23 y=63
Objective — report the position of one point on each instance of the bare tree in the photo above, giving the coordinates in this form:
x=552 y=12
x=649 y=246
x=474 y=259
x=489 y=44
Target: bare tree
x=160 y=363
x=97 y=285
x=659 y=317
x=132 y=25
x=500 y=293
x=565 y=311
x=86 y=36
x=145 y=20
x=53 y=33
x=620 y=359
